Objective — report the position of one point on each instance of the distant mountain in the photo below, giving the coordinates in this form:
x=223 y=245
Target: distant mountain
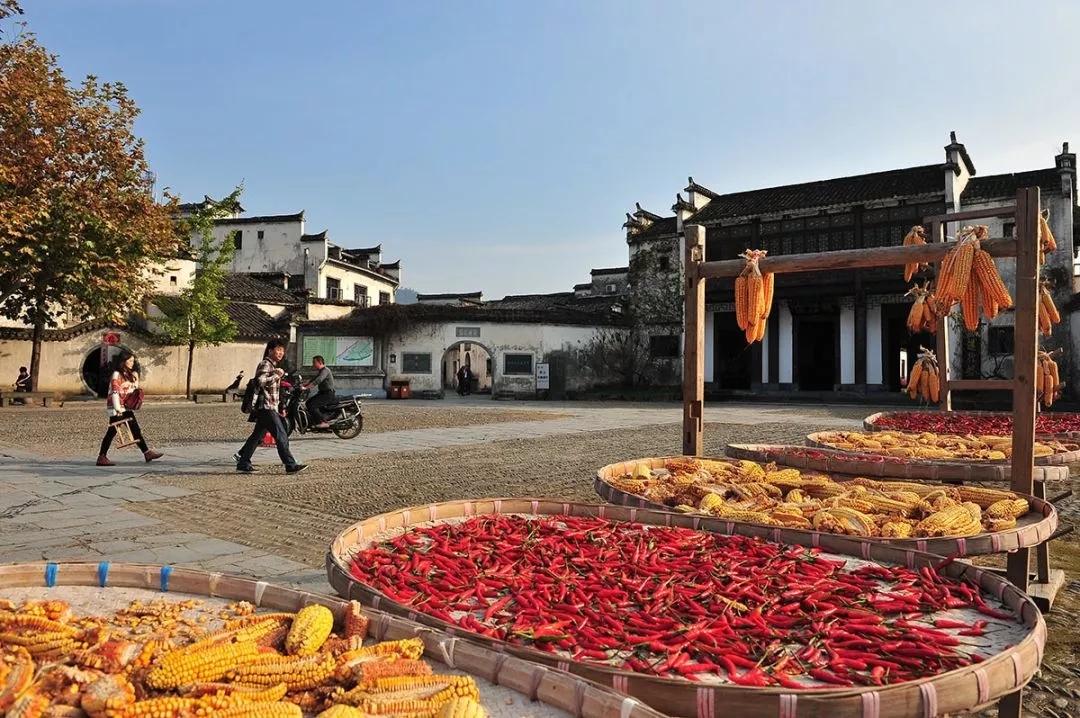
x=405 y=296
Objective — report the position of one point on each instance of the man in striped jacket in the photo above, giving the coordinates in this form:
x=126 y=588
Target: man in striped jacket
x=267 y=414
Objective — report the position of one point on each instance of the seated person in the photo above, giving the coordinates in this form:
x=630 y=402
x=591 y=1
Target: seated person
x=325 y=396
x=22 y=383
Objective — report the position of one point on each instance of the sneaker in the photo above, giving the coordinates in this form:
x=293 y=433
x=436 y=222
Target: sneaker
x=295 y=468
x=104 y=461
x=246 y=468
x=151 y=455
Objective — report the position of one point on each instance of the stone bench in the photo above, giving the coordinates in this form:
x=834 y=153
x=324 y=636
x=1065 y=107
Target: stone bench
x=224 y=397
x=6 y=397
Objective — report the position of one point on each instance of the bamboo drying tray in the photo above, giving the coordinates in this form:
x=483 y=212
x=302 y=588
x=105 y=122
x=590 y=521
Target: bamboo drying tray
x=1064 y=458
x=870 y=423
x=836 y=461
x=956 y=690
x=1030 y=530
x=560 y=690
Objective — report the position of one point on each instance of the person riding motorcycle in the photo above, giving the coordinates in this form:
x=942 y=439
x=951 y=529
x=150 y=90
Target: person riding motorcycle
x=324 y=379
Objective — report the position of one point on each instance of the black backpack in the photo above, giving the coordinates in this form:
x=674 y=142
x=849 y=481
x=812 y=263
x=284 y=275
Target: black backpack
x=250 y=390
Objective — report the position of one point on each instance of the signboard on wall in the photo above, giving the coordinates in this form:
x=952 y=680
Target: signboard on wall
x=543 y=376
x=340 y=351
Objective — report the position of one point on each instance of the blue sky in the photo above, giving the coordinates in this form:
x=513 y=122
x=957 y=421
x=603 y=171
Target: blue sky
x=495 y=145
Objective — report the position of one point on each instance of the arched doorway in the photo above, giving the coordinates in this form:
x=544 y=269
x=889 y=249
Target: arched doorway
x=470 y=354
x=95 y=368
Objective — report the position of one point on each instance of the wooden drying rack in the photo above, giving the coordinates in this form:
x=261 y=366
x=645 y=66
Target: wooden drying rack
x=1025 y=247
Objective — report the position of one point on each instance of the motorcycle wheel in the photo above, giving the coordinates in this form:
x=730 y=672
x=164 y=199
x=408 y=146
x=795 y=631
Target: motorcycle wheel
x=352 y=430
x=290 y=425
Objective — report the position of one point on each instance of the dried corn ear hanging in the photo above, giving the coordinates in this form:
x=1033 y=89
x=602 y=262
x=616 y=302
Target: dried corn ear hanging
x=925 y=378
x=917 y=235
x=753 y=296
x=923 y=315
x=1047 y=243
x=1048 y=311
x=1047 y=378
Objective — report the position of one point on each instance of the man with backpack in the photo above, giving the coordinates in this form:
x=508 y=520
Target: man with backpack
x=262 y=399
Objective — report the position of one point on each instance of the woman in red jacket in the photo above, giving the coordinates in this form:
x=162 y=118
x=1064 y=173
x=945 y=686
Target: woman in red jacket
x=124 y=383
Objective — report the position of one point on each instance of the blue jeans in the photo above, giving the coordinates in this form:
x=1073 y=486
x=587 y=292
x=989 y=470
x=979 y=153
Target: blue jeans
x=267 y=420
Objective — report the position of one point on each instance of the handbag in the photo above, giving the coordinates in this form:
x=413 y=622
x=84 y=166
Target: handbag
x=133 y=401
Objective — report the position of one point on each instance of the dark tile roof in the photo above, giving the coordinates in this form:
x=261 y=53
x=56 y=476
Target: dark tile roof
x=1005 y=186
x=246 y=288
x=474 y=296
x=265 y=219
x=77 y=330
x=386 y=318
x=254 y=323
x=692 y=186
x=317 y=237
x=377 y=249
x=586 y=285
x=660 y=227
x=893 y=184
x=609 y=270
x=391 y=265
x=207 y=200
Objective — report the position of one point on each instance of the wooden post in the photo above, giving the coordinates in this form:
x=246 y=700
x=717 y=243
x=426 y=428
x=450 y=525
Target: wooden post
x=937 y=234
x=694 y=342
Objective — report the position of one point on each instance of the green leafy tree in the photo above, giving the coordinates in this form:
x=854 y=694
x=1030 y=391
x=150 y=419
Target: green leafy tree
x=80 y=228
x=198 y=317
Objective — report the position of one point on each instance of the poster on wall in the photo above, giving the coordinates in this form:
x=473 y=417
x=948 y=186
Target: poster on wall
x=340 y=351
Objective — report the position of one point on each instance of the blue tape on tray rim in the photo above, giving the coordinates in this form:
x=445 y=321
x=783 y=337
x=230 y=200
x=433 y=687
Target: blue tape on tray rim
x=166 y=572
x=51 y=569
x=103 y=573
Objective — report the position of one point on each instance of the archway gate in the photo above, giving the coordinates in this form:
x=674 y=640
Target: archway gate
x=1025 y=247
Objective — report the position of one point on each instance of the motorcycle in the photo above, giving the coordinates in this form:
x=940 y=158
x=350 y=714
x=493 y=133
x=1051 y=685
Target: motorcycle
x=344 y=416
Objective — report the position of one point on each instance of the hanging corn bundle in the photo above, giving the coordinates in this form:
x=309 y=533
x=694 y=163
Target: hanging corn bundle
x=1048 y=312
x=1047 y=380
x=923 y=315
x=917 y=235
x=925 y=379
x=1047 y=243
x=753 y=296
x=968 y=276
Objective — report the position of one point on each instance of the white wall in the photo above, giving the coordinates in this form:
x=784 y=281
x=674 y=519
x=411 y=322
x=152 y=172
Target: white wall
x=847 y=345
x=710 y=344
x=350 y=278
x=280 y=249
x=765 y=358
x=785 y=338
x=497 y=339
x=873 y=345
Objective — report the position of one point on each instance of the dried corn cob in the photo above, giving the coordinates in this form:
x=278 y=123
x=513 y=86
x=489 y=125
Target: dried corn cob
x=212 y=663
x=369 y=673
x=1047 y=243
x=356 y=622
x=917 y=235
x=310 y=629
x=951 y=521
x=896 y=529
x=29 y=705
x=1008 y=509
x=165 y=707
x=297 y=672
x=969 y=305
x=106 y=695
x=462 y=708
x=989 y=280
x=277 y=709
x=341 y=711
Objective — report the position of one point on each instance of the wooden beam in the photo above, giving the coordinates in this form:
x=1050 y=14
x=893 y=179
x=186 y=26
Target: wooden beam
x=694 y=343
x=971 y=214
x=851 y=258
x=981 y=385
x=1025 y=392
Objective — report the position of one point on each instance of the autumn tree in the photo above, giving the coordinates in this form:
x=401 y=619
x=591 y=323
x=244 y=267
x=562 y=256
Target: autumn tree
x=198 y=317
x=80 y=229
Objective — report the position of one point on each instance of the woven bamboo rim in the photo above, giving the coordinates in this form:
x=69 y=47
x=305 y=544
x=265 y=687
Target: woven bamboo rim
x=956 y=690
x=870 y=422
x=1032 y=529
x=566 y=692
x=836 y=461
x=1064 y=458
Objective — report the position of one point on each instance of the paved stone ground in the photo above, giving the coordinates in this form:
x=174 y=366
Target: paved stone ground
x=192 y=508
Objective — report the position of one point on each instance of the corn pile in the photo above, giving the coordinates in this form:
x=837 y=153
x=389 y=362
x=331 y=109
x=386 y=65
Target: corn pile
x=151 y=661
x=968 y=276
x=1048 y=311
x=925 y=378
x=1047 y=381
x=753 y=297
x=1047 y=243
x=924 y=313
x=917 y=235
x=766 y=494
x=932 y=446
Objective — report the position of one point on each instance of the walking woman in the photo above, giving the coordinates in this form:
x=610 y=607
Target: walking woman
x=123 y=387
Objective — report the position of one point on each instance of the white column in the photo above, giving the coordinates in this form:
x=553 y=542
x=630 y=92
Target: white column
x=710 y=343
x=847 y=345
x=785 y=340
x=765 y=359
x=873 y=345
